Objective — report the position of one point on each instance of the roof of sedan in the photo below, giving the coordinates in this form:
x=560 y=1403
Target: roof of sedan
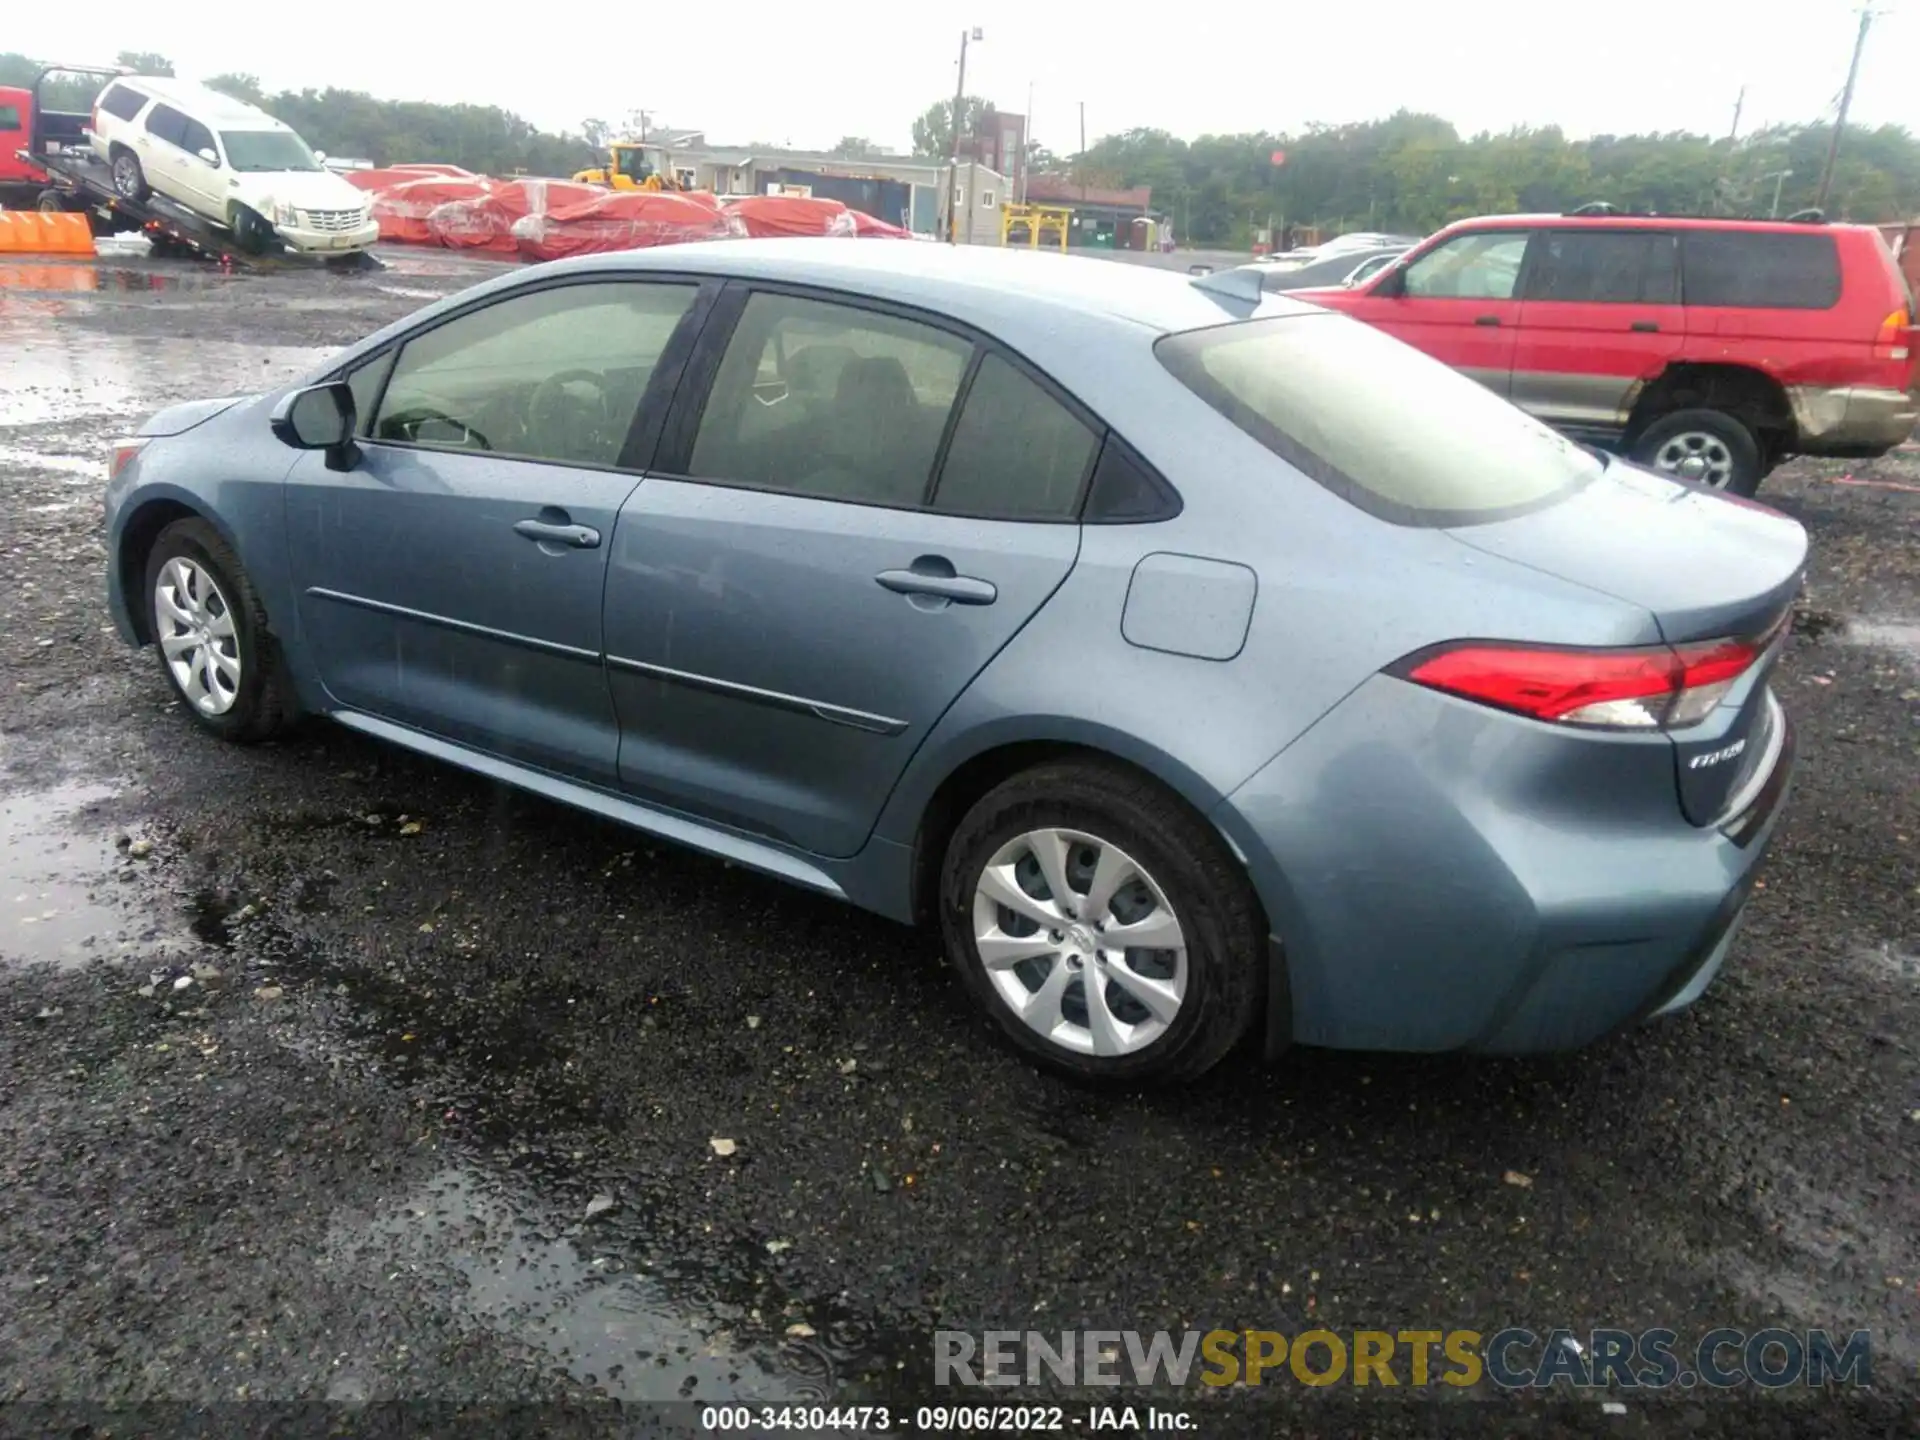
x=965 y=279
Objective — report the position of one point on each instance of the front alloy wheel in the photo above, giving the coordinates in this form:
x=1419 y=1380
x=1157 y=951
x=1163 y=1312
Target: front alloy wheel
x=216 y=648
x=197 y=636
x=1080 y=942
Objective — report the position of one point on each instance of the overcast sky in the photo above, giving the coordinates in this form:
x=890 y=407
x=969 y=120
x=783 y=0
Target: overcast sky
x=809 y=73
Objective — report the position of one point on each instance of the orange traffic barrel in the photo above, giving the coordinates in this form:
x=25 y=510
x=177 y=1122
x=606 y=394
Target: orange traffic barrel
x=32 y=232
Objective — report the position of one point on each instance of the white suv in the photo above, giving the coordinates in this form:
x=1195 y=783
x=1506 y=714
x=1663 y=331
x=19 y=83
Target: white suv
x=230 y=162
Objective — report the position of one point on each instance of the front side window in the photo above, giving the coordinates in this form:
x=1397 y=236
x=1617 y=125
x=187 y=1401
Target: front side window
x=9 y=117
x=1017 y=453
x=829 y=400
x=267 y=150
x=1599 y=267
x=365 y=383
x=196 y=137
x=121 y=102
x=1470 y=267
x=555 y=374
x=168 y=124
x=1385 y=427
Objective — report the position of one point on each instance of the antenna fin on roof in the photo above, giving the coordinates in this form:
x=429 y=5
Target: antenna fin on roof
x=1240 y=283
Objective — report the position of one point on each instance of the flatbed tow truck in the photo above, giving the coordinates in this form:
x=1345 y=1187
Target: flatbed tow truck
x=78 y=181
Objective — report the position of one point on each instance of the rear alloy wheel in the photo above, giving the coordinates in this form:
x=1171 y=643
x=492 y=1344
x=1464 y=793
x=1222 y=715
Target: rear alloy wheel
x=1102 y=925
x=129 y=180
x=1708 y=447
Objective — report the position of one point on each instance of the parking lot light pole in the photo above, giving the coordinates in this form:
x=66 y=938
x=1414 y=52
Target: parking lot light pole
x=1779 y=178
x=953 y=163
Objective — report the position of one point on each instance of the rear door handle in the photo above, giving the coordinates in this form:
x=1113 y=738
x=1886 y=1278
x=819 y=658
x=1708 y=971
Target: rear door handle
x=1647 y=327
x=1486 y=320
x=580 y=537
x=961 y=589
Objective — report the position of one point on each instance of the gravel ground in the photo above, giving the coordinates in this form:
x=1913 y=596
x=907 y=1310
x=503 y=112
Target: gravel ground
x=331 y=1073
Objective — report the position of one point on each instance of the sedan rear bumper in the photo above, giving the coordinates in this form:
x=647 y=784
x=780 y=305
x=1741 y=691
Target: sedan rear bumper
x=1447 y=877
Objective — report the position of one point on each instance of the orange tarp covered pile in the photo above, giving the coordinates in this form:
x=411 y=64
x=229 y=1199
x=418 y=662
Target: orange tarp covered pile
x=540 y=219
x=618 y=220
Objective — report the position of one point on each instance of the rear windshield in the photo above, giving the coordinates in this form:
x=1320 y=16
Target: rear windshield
x=1761 y=270
x=1385 y=427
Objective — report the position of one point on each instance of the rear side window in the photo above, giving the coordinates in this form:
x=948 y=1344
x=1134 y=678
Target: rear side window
x=1385 y=427
x=1761 y=270
x=1017 y=453
x=828 y=400
x=122 y=102
x=168 y=124
x=1589 y=267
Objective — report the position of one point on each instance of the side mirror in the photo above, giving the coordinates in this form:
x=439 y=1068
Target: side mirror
x=321 y=156
x=320 y=417
x=1390 y=284
x=210 y=155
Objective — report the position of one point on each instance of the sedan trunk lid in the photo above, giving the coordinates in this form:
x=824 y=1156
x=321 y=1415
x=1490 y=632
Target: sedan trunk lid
x=1708 y=568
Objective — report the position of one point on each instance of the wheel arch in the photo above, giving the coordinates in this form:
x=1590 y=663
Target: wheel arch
x=1750 y=395
x=138 y=533
x=930 y=803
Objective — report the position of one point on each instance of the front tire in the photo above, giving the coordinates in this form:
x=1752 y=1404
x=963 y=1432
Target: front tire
x=1102 y=925
x=210 y=628
x=1709 y=447
x=129 y=180
x=251 y=232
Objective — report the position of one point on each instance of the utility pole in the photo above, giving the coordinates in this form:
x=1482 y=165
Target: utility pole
x=1846 y=100
x=1026 y=143
x=1083 y=152
x=953 y=167
x=1738 y=105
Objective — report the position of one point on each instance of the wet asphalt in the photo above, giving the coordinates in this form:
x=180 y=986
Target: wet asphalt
x=330 y=1073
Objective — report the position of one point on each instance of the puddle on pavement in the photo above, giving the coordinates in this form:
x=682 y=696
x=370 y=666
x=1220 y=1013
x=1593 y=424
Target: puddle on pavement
x=87 y=466
x=61 y=899
x=546 y=1285
x=54 y=278
x=77 y=375
x=1889 y=959
x=1900 y=636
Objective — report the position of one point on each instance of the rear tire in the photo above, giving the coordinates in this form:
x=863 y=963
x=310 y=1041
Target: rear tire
x=129 y=180
x=1046 y=972
x=1709 y=447
x=211 y=630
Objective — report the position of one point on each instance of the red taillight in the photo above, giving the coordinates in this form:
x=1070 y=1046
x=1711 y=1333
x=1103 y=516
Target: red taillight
x=123 y=451
x=1895 y=340
x=1645 y=689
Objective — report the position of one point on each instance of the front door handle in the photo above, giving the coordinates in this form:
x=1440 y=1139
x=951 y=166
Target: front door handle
x=1646 y=327
x=961 y=589
x=1486 y=319
x=580 y=537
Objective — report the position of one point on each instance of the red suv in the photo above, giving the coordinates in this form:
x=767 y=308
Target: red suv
x=1710 y=349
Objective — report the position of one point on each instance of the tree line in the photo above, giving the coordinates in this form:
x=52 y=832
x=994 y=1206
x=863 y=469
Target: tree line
x=1408 y=173
x=1412 y=173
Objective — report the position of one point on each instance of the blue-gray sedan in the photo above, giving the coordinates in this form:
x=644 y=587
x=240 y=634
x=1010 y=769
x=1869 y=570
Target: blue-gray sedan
x=1207 y=667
